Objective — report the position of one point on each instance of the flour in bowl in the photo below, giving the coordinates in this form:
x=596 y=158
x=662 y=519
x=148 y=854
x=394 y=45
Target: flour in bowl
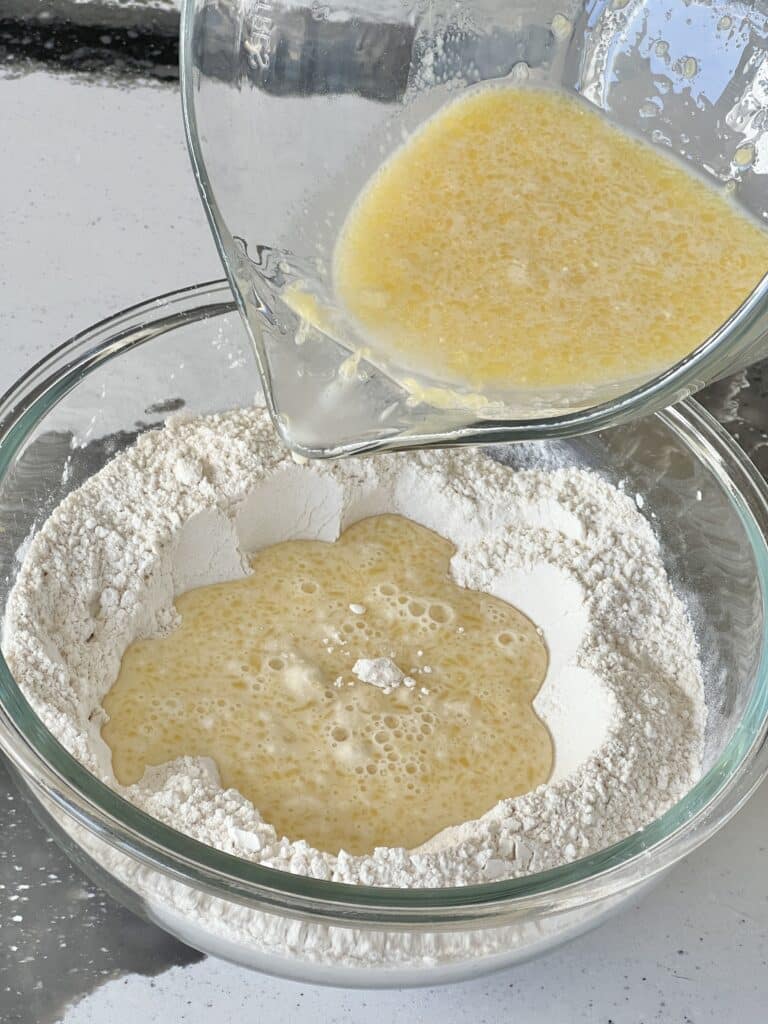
x=622 y=698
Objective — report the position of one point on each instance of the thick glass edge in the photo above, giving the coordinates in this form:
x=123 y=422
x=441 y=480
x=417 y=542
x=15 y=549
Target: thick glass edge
x=39 y=756
x=189 y=76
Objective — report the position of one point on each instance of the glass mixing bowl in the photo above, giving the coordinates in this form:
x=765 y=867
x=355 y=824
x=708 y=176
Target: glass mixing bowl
x=290 y=107
x=188 y=351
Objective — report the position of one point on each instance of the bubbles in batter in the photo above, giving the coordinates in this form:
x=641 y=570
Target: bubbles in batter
x=264 y=676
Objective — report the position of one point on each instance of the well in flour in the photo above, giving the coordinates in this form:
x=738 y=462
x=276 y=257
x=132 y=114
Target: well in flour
x=249 y=680
x=623 y=696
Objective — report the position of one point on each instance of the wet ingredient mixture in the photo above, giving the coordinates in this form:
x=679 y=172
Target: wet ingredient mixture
x=519 y=240
x=345 y=689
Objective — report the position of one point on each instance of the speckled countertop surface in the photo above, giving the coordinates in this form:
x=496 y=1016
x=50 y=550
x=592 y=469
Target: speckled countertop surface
x=97 y=211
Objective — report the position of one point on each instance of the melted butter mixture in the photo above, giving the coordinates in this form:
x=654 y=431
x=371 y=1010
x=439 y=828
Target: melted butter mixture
x=518 y=240
x=259 y=677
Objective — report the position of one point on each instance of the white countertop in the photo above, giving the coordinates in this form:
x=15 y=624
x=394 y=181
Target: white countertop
x=98 y=210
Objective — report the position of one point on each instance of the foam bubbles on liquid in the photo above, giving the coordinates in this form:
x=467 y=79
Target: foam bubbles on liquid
x=259 y=677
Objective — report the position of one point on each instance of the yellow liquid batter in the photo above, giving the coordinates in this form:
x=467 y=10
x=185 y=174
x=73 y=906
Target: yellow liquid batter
x=259 y=677
x=518 y=240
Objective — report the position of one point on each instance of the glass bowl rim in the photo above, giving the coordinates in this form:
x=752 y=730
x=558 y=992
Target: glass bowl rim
x=50 y=769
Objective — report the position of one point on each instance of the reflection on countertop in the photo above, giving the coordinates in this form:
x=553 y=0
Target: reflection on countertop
x=62 y=936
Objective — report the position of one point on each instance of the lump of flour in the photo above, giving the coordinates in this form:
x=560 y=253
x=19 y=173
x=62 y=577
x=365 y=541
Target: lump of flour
x=623 y=698
x=381 y=672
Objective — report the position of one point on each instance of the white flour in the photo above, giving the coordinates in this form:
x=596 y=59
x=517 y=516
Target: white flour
x=381 y=672
x=623 y=697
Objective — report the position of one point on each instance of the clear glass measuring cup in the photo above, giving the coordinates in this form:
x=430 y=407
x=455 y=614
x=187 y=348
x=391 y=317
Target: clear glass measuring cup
x=291 y=106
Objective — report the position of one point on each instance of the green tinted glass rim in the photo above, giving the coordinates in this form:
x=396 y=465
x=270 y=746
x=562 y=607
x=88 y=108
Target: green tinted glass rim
x=45 y=763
